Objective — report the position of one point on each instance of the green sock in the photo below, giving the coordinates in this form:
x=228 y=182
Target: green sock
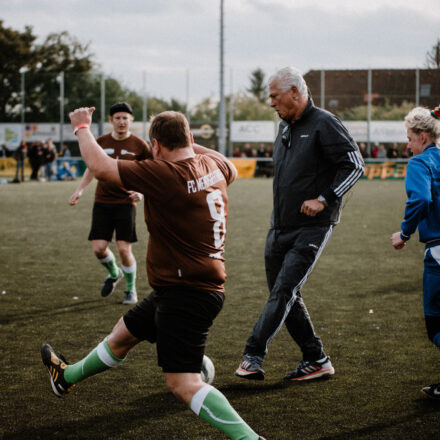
x=213 y=407
x=109 y=262
x=130 y=277
x=99 y=359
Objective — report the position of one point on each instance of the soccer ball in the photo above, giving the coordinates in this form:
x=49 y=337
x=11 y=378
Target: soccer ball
x=208 y=370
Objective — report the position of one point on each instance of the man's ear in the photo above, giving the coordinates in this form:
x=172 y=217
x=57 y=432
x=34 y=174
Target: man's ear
x=110 y=119
x=295 y=93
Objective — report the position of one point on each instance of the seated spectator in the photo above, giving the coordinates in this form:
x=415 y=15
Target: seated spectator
x=65 y=152
x=381 y=152
x=405 y=153
x=247 y=150
x=363 y=150
x=64 y=172
x=236 y=152
x=393 y=152
x=261 y=151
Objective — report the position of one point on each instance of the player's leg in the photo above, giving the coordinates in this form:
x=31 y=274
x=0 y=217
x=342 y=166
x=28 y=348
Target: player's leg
x=315 y=363
x=129 y=269
x=431 y=306
x=125 y=226
x=100 y=235
x=254 y=351
x=209 y=404
x=107 y=354
x=183 y=318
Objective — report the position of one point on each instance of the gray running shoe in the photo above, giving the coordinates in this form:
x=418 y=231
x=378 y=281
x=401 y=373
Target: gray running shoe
x=250 y=368
x=110 y=283
x=130 y=297
x=307 y=370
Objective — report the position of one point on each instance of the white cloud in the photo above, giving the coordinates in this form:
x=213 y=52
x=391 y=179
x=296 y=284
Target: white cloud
x=167 y=38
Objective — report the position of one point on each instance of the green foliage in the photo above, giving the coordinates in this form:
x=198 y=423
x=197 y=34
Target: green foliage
x=258 y=86
x=433 y=56
x=205 y=111
x=249 y=108
x=43 y=64
x=385 y=112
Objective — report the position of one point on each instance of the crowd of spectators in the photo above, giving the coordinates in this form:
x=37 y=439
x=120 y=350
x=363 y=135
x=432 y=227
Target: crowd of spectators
x=380 y=151
x=42 y=157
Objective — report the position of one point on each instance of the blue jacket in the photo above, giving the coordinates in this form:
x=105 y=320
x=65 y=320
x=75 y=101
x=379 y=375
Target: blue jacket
x=422 y=184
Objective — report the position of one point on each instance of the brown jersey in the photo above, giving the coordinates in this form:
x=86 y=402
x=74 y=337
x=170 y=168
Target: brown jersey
x=186 y=209
x=132 y=148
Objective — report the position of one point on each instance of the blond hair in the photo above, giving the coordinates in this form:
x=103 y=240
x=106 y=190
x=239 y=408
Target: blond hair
x=419 y=119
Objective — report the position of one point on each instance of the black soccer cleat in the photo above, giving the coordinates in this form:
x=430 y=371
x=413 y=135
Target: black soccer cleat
x=433 y=391
x=250 y=368
x=56 y=367
x=110 y=283
x=307 y=370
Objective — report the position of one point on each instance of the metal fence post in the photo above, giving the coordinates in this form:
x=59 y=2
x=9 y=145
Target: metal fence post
x=322 y=88
x=369 y=87
x=417 y=87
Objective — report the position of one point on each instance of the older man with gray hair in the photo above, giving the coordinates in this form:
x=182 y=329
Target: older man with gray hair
x=316 y=162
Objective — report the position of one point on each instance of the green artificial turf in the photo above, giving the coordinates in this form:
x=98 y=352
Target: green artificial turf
x=364 y=297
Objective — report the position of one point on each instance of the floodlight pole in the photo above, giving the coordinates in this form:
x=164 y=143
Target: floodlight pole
x=61 y=110
x=23 y=101
x=101 y=128
x=369 y=91
x=187 y=97
x=222 y=113
x=144 y=105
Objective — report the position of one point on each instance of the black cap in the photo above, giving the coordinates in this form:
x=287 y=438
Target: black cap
x=120 y=107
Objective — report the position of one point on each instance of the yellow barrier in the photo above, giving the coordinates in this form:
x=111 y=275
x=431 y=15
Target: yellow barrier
x=245 y=167
x=385 y=170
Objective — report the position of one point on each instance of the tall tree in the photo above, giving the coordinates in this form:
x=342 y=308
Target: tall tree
x=15 y=53
x=258 y=87
x=433 y=56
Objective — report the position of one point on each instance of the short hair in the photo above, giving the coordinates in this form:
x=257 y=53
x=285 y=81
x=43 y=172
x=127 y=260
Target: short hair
x=171 y=129
x=420 y=119
x=288 y=77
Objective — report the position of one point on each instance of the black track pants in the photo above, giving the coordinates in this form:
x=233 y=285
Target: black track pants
x=289 y=258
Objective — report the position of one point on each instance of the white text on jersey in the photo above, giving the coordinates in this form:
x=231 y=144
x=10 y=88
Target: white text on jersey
x=204 y=181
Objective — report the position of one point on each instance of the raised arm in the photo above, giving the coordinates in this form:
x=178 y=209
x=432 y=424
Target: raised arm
x=100 y=165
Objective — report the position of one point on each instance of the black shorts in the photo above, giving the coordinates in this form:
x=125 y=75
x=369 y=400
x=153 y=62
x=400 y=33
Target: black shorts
x=107 y=218
x=177 y=319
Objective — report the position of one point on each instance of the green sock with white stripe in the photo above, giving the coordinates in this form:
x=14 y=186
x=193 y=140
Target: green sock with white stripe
x=109 y=262
x=213 y=407
x=130 y=277
x=99 y=359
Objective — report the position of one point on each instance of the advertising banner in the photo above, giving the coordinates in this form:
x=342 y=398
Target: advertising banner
x=10 y=135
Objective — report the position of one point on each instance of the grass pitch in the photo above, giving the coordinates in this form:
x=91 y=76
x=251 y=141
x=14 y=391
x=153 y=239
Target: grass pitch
x=364 y=298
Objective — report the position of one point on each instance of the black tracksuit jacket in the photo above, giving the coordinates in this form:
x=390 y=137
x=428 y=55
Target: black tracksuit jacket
x=322 y=159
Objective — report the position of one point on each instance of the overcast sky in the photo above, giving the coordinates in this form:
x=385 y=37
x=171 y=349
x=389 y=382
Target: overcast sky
x=176 y=42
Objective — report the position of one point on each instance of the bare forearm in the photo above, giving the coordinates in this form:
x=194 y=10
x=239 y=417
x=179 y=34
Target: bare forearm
x=86 y=179
x=101 y=166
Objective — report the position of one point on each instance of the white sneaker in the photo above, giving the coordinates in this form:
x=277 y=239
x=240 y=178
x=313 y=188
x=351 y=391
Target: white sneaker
x=130 y=297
